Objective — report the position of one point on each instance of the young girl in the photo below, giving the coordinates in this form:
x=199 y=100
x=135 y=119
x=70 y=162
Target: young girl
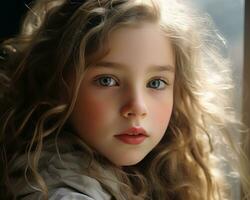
x=121 y=99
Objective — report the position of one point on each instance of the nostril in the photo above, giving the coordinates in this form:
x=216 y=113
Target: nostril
x=134 y=114
x=134 y=109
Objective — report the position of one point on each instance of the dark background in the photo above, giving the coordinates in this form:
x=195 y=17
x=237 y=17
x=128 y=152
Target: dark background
x=11 y=14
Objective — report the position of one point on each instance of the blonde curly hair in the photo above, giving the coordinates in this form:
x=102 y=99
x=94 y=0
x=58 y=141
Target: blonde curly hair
x=59 y=37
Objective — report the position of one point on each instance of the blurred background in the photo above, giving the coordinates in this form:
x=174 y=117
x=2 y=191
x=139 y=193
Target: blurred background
x=228 y=16
x=11 y=13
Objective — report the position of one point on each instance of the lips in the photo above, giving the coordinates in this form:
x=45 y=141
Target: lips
x=134 y=135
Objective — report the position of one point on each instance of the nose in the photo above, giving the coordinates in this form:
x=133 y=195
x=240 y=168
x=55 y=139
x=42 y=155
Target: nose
x=134 y=107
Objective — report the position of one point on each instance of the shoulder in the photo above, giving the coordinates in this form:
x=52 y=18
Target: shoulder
x=66 y=193
x=66 y=178
x=60 y=193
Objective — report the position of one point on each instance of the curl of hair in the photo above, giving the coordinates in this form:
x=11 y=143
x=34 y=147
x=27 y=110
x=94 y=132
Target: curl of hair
x=62 y=37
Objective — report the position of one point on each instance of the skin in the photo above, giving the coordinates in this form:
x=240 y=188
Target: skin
x=115 y=97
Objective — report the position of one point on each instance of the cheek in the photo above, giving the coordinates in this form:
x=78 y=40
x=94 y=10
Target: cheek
x=162 y=115
x=95 y=110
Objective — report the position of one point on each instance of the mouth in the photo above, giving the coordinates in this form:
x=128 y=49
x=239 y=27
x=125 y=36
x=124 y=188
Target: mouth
x=134 y=135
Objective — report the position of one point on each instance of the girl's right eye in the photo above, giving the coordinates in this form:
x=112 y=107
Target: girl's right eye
x=106 y=81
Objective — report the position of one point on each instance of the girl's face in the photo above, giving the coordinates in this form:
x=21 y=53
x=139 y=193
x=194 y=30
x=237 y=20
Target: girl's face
x=126 y=99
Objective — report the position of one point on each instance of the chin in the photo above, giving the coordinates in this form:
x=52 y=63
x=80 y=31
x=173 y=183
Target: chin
x=125 y=161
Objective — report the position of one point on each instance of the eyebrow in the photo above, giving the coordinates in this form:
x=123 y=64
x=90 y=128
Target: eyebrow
x=153 y=68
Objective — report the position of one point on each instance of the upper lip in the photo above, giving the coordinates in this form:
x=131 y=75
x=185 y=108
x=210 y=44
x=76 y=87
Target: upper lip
x=134 y=131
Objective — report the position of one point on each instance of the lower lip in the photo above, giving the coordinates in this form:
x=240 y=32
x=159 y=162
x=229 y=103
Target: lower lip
x=131 y=139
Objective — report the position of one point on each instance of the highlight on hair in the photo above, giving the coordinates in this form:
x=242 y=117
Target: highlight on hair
x=62 y=37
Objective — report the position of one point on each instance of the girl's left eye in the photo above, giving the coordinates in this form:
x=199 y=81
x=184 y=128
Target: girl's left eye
x=158 y=84
x=106 y=81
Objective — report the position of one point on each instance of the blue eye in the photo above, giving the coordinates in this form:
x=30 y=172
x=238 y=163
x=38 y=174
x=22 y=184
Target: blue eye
x=157 y=84
x=106 y=81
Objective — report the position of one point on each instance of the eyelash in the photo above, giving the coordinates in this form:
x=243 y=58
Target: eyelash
x=97 y=80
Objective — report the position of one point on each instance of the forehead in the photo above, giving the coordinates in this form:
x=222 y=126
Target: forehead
x=140 y=45
x=145 y=44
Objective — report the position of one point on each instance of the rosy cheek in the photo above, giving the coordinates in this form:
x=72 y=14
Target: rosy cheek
x=96 y=109
x=162 y=116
